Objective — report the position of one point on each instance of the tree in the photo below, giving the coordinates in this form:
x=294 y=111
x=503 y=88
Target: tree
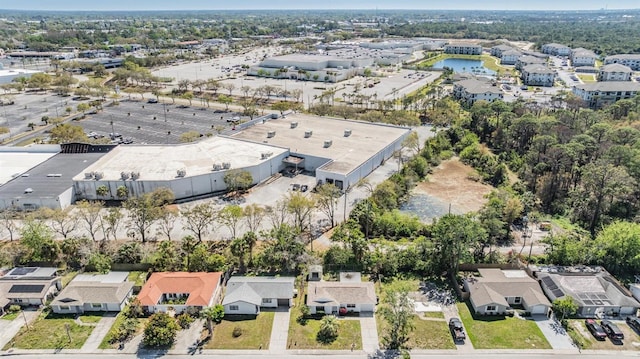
x=253 y=215
x=102 y=190
x=283 y=250
x=326 y=198
x=617 y=247
x=278 y=214
x=130 y=252
x=66 y=132
x=239 y=249
x=167 y=220
x=452 y=235
x=226 y=100
x=230 y=217
x=187 y=246
x=160 y=331
x=237 y=180
x=83 y=107
x=397 y=310
x=37 y=237
x=99 y=262
x=167 y=258
x=63 y=221
x=7 y=221
x=329 y=327
x=565 y=307
x=199 y=219
x=89 y=214
x=110 y=222
x=212 y=315
x=40 y=81
x=146 y=210
x=122 y=192
x=281 y=106
x=300 y=207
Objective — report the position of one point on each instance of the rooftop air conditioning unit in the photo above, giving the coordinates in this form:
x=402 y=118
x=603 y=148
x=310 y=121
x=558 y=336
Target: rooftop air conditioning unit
x=328 y=143
x=271 y=134
x=98 y=175
x=265 y=155
x=226 y=165
x=88 y=175
x=308 y=134
x=181 y=172
x=217 y=167
x=294 y=124
x=124 y=176
x=28 y=190
x=347 y=133
x=135 y=175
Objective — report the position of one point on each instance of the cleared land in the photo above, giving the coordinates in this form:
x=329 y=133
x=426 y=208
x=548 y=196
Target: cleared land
x=254 y=332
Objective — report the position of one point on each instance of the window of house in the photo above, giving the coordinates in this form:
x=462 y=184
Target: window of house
x=64 y=307
x=491 y=308
x=96 y=305
x=233 y=307
x=351 y=305
x=266 y=300
x=517 y=300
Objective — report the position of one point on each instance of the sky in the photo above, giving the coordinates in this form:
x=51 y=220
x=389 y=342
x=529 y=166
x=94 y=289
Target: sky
x=324 y=4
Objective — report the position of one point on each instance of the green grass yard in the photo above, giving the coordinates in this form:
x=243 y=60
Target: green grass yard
x=50 y=333
x=255 y=332
x=497 y=332
x=304 y=336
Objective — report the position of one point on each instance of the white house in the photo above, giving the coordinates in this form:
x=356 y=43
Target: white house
x=614 y=72
x=94 y=293
x=495 y=290
x=537 y=75
x=630 y=60
x=472 y=90
x=180 y=291
x=348 y=295
x=247 y=295
x=29 y=286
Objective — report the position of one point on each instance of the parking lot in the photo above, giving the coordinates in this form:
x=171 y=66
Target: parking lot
x=142 y=122
x=30 y=108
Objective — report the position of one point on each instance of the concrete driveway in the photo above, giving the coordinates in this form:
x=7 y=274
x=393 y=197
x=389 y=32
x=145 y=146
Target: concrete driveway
x=369 y=332
x=554 y=332
x=280 y=331
x=8 y=329
x=99 y=331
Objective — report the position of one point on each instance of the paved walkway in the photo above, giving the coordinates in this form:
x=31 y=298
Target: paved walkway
x=554 y=332
x=369 y=332
x=280 y=331
x=8 y=329
x=187 y=339
x=99 y=332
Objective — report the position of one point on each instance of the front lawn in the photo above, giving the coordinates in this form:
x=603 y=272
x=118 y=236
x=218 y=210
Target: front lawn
x=497 y=332
x=254 y=332
x=304 y=336
x=11 y=315
x=108 y=342
x=50 y=332
x=91 y=318
x=426 y=333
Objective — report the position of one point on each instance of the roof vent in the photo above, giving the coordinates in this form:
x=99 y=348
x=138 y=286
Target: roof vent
x=217 y=167
x=294 y=124
x=124 y=175
x=88 y=175
x=347 y=133
x=98 y=175
x=25 y=175
x=328 y=143
x=271 y=134
x=28 y=190
x=265 y=155
x=181 y=172
x=308 y=134
x=135 y=175
x=226 y=165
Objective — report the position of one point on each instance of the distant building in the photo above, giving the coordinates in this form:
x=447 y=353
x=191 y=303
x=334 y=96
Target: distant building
x=630 y=60
x=7 y=76
x=498 y=50
x=556 y=49
x=537 y=75
x=582 y=57
x=510 y=57
x=526 y=60
x=471 y=90
x=614 y=72
x=600 y=94
x=463 y=49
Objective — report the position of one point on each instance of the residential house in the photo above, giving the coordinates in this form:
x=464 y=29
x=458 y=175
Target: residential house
x=94 y=293
x=180 y=291
x=614 y=72
x=463 y=49
x=247 y=295
x=537 y=75
x=26 y=286
x=348 y=295
x=556 y=49
x=495 y=290
x=526 y=60
x=472 y=90
x=582 y=57
x=510 y=57
x=600 y=94
x=630 y=60
x=593 y=289
x=499 y=50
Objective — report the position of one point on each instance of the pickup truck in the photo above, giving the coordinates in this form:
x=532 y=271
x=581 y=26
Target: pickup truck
x=457 y=331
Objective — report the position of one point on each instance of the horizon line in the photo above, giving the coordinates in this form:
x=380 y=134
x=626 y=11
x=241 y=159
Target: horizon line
x=315 y=9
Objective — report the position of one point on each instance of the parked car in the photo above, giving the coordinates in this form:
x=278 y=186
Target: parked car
x=634 y=322
x=152 y=100
x=595 y=329
x=457 y=330
x=612 y=330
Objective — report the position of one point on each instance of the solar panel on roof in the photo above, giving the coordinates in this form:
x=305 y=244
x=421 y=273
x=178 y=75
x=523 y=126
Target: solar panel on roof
x=26 y=288
x=22 y=270
x=557 y=293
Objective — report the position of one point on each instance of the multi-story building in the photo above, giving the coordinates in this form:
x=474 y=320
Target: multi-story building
x=630 y=60
x=556 y=49
x=600 y=94
x=582 y=57
x=510 y=57
x=472 y=90
x=614 y=72
x=498 y=50
x=463 y=49
x=537 y=75
x=527 y=60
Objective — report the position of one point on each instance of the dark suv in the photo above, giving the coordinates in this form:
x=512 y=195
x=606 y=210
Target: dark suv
x=595 y=329
x=634 y=323
x=612 y=330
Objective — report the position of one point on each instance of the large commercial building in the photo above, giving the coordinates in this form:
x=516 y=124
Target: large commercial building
x=8 y=75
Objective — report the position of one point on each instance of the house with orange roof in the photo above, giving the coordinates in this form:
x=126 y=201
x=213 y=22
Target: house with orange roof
x=180 y=291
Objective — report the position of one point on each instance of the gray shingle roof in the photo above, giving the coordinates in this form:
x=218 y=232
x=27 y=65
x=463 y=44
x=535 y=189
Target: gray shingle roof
x=254 y=289
x=615 y=68
x=78 y=293
x=495 y=285
x=336 y=293
x=475 y=86
x=609 y=86
x=537 y=69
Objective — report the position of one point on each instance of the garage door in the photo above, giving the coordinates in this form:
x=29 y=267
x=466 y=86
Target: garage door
x=539 y=309
x=283 y=302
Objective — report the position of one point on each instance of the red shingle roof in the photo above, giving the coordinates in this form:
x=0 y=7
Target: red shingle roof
x=200 y=286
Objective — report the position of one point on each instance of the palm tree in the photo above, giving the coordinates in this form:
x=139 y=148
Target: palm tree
x=102 y=190
x=122 y=191
x=211 y=315
x=329 y=326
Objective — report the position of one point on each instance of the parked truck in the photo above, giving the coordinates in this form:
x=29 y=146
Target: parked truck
x=457 y=330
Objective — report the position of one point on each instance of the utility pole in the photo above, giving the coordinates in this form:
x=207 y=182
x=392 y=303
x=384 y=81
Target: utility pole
x=66 y=326
x=26 y=324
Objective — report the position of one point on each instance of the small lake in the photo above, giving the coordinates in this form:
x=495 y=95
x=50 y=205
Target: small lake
x=464 y=65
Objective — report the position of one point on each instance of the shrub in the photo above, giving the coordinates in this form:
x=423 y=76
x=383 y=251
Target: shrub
x=14 y=308
x=185 y=320
x=124 y=330
x=237 y=331
x=160 y=331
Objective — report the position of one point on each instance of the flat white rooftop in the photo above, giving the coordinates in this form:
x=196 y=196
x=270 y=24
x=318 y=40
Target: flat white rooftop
x=13 y=164
x=160 y=162
x=366 y=139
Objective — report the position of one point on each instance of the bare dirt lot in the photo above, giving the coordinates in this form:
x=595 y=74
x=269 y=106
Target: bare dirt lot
x=450 y=183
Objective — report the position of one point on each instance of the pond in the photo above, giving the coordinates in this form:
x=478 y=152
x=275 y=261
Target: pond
x=464 y=65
